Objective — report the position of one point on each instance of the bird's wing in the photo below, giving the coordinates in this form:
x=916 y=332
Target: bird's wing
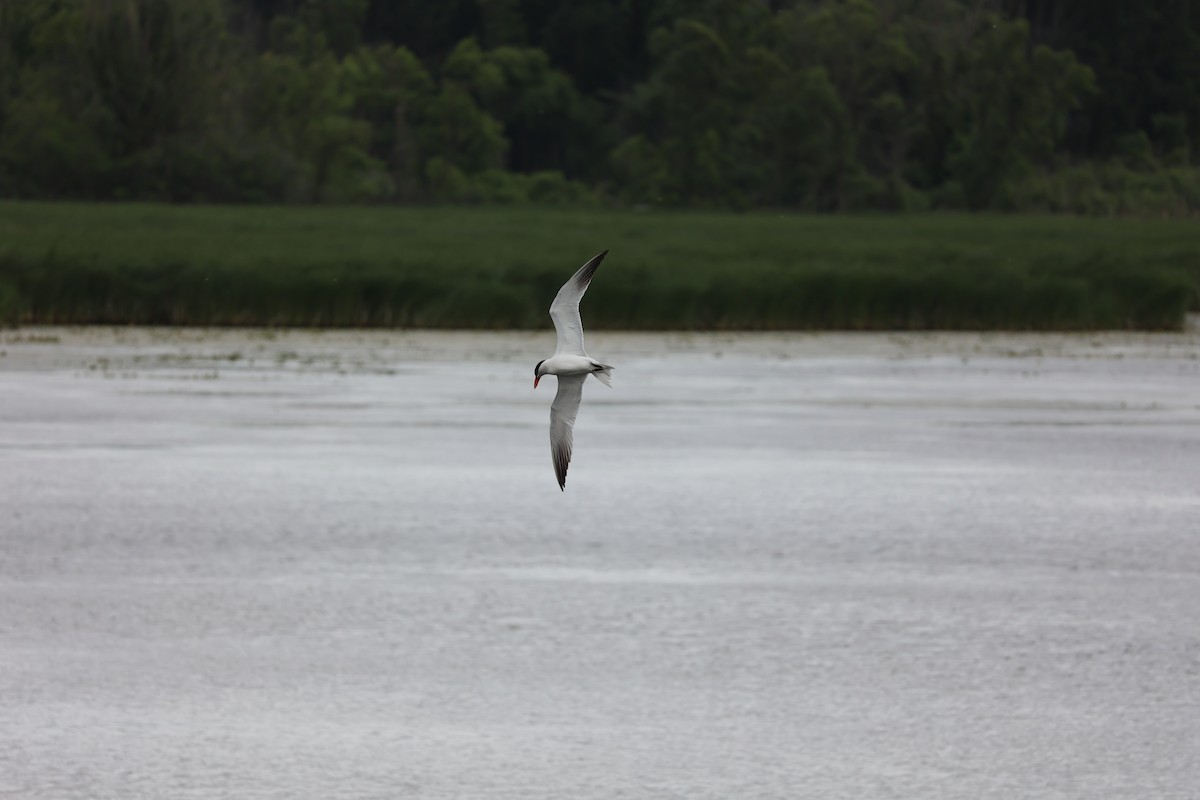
x=562 y=423
x=565 y=308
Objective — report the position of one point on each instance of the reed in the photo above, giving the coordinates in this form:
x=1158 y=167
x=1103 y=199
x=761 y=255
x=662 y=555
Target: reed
x=497 y=268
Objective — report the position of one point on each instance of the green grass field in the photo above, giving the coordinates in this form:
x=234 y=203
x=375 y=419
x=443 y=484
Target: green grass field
x=499 y=268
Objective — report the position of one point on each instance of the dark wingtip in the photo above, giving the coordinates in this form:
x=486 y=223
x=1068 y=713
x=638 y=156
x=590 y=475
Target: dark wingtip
x=562 y=462
x=588 y=270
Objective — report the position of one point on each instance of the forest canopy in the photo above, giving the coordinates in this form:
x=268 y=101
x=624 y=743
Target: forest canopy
x=1087 y=106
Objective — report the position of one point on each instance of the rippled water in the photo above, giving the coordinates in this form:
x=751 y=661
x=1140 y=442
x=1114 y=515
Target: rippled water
x=338 y=566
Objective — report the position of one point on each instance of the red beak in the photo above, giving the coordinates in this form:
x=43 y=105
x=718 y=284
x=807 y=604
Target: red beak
x=536 y=378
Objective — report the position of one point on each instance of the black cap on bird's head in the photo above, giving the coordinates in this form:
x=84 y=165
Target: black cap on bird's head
x=537 y=377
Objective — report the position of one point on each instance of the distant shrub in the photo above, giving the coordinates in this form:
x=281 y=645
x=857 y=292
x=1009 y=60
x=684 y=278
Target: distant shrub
x=1112 y=189
x=494 y=186
x=502 y=188
x=9 y=304
x=446 y=182
x=553 y=188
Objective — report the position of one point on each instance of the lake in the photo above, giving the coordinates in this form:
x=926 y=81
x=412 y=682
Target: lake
x=264 y=564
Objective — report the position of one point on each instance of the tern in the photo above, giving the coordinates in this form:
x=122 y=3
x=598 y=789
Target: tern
x=571 y=364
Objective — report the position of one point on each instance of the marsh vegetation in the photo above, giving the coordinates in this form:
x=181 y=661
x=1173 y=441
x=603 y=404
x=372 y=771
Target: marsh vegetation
x=496 y=268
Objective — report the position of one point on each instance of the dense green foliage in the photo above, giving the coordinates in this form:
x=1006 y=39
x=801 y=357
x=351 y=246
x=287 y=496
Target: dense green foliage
x=498 y=268
x=1087 y=106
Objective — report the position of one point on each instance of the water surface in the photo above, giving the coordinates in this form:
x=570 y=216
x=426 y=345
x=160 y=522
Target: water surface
x=337 y=565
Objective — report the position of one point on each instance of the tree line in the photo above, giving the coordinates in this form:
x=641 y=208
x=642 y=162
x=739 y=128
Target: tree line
x=1089 y=106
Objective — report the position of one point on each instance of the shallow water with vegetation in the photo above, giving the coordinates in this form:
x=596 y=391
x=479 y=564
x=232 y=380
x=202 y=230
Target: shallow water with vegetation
x=489 y=268
x=335 y=564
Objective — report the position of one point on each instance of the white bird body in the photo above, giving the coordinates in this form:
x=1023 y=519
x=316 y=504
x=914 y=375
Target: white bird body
x=566 y=364
x=571 y=364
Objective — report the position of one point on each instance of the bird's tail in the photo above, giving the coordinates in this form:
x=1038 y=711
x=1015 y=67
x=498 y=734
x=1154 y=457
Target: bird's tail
x=603 y=373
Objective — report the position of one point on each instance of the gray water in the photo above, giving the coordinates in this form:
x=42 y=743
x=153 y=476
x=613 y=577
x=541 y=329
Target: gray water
x=249 y=565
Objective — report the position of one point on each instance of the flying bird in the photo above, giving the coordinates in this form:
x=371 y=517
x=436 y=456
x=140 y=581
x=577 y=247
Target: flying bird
x=571 y=364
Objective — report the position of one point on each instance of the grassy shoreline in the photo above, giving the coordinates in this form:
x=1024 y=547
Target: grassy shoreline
x=498 y=268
